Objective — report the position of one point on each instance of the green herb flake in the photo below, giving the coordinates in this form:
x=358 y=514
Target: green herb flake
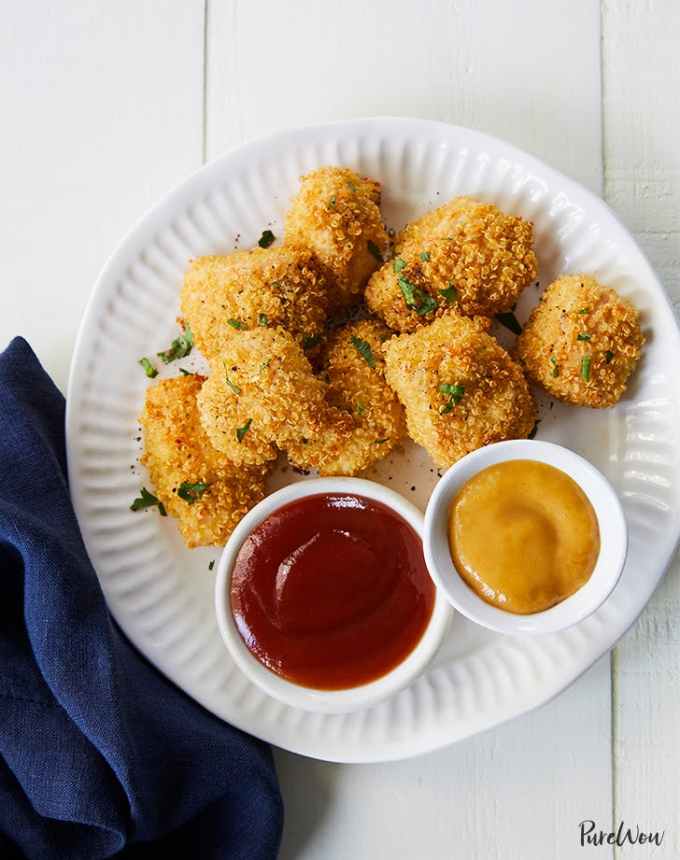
x=310 y=341
x=583 y=336
x=185 y=372
x=241 y=431
x=375 y=251
x=398 y=264
x=179 y=348
x=585 y=367
x=234 y=387
x=147 y=500
x=608 y=356
x=363 y=347
x=447 y=407
x=352 y=187
x=510 y=321
x=427 y=304
x=425 y=256
x=149 y=369
x=359 y=408
x=380 y=441
x=455 y=394
x=237 y=324
x=263 y=320
x=450 y=294
x=266 y=239
x=331 y=202
x=555 y=369
x=408 y=291
x=190 y=493
x=584 y=311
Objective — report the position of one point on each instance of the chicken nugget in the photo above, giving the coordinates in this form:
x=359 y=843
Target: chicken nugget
x=460 y=388
x=582 y=342
x=336 y=214
x=466 y=256
x=355 y=368
x=284 y=286
x=201 y=487
x=262 y=393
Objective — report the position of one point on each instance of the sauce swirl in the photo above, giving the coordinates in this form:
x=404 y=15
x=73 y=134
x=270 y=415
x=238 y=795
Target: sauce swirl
x=331 y=591
x=523 y=535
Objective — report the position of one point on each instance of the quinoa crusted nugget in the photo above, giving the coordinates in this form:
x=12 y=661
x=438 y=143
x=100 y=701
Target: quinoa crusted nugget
x=262 y=393
x=284 y=286
x=198 y=485
x=582 y=342
x=465 y=256
x=355 y=369
x=336 y=214
x=460 y=388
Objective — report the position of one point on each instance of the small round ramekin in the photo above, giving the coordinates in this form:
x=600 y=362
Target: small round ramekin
x=288 y=692
x=581 y=604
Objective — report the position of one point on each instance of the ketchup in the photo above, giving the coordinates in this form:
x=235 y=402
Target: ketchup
x=331 y=591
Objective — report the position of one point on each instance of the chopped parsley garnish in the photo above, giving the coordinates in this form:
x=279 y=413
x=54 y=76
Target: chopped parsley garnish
x=427 y=305
x=375 y=250
x=262 y=319
x=555 y=370
x=310 y=341
x=585 y=367
x=185 y=372
x=583 y=336
x=363 y=347
x=608 y=356
x=331 y=202
x=584 y=311
x=534 y=431
x=211 y=565
x=241 y=431
x=236 y=324
x=179 y=348
x=147 y=500
x=510 y=321
x=360 y=408
x=424 y=256
x=266 y=239
x=398 y=264
x=450 y=294
x=191 y=492
x=407 y=290
x=149 y=369
x=234 y=387
x=380 y=441
x=455 y=394
x=352 y=187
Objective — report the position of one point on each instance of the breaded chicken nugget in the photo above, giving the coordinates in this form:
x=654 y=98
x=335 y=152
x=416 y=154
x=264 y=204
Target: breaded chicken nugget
x=262 y=393
x=464 y=256
x=582 y=342
x=284 y=286
x=198 y=485
x=355 y=369
x=336 y=214
x=460 y=388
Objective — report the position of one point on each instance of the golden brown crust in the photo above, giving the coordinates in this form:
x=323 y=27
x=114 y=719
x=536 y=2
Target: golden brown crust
x=487 y=398
x=355 y=369
x=465 y=257
x=263 y=382
x=581 y=329
x=336 y=215
x=177 y=450
x=284 y=286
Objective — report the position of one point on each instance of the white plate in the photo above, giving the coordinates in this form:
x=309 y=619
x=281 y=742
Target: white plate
x=161 y=594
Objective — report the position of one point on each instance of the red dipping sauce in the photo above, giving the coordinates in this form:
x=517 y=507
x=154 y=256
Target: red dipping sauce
x=331 y=591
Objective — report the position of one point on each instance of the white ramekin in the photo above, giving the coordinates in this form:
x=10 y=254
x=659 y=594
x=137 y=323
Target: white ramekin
x=325 y=701
x=610 y=518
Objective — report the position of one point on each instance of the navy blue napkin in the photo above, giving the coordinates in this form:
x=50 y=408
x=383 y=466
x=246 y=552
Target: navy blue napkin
x=101 y=756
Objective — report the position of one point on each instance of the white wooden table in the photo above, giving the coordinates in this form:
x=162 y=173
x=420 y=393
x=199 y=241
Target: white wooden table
x=108 y=105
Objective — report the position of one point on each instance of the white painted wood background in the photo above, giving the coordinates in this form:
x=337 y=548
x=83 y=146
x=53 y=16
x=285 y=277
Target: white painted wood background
x=108 y=105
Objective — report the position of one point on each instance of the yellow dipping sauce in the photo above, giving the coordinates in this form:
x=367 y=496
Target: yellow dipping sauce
x=523 y=535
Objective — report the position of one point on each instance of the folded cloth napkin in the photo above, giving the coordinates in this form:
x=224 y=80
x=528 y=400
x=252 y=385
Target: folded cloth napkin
x=100 y=755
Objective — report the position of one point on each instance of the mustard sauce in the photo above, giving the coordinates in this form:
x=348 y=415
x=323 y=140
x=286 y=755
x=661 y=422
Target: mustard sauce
x=523 y=535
